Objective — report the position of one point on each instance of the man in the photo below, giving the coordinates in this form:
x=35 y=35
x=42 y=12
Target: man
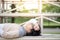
x=11 y=30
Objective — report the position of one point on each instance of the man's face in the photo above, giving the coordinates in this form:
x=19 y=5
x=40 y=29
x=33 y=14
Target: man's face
x=35 y=31
x=36 y=27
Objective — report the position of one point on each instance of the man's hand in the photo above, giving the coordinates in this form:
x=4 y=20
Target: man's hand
x=28 y=27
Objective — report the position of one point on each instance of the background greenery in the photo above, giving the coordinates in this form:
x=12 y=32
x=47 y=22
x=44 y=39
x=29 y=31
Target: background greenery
x=46 y=8
x=47 y=23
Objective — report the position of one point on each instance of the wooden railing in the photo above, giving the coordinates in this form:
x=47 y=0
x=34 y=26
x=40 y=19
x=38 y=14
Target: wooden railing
x=38 y=15
x=28 y=14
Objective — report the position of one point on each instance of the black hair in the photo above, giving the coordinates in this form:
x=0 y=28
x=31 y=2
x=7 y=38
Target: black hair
x=34 y=33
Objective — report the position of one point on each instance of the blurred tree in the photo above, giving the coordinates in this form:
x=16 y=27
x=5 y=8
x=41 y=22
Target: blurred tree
x=58 y=0
x=12 y=7
x=51 y=8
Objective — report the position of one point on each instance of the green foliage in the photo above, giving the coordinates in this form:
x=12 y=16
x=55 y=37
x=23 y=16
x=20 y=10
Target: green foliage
x=50 y=24
x=50 y=8
x=58 y=19
x=21 y=19
x=35 y=10
x=47 y=24
x=46 y=8
x=25 y=11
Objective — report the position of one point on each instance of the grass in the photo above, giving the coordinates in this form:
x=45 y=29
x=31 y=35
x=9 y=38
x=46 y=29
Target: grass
x=51 y=24
x=52 y=33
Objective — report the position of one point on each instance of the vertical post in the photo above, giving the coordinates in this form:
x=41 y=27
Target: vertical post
x=2 y=3
x=40 y=6
x=3 y=18
x=40 y=11
x=0 y=10
x=41 y=24
x=0 y=6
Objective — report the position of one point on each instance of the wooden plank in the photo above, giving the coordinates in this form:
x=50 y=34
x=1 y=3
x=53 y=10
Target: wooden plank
x=44 y=37
x=29 y=14
x=51 y=2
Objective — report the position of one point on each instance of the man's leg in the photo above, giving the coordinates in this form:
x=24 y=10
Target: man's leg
x=11 y=34
x=1 y=29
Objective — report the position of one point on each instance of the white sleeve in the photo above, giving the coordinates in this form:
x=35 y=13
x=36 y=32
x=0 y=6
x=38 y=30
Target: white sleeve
x=32 y=21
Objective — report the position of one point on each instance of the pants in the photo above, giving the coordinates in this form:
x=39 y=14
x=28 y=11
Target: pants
x=9 y=30
x=1 y=29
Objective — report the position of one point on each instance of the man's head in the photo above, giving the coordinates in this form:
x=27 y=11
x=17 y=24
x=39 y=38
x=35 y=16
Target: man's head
x=36 y=29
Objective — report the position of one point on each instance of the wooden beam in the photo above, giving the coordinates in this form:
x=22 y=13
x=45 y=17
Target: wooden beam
x=18 y=15
x=28 y=14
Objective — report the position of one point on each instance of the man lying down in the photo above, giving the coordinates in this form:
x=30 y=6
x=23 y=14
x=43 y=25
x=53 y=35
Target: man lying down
x=12 y=30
